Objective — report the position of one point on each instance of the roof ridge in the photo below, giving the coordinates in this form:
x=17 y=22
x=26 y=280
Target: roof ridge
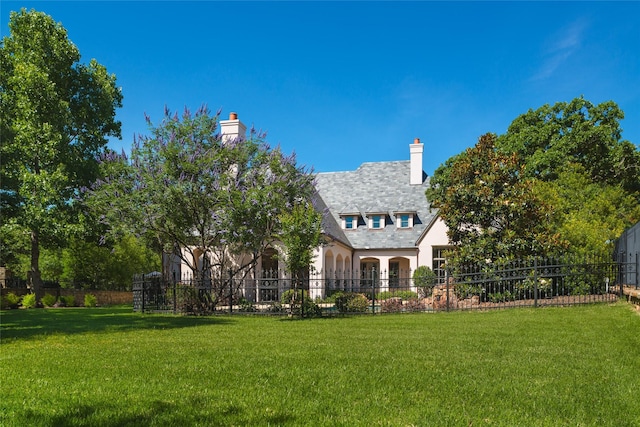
x=364 y=164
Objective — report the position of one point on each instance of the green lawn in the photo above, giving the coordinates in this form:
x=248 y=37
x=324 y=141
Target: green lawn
x=576 y=366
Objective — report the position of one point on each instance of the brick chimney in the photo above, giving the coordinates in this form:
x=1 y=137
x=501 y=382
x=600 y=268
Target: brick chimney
x=416 y=150
x=232 y=128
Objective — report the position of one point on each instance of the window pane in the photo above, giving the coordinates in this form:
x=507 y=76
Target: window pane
x=349 y=222
x=438 y=264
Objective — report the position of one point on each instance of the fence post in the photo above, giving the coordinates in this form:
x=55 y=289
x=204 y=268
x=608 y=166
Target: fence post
x=230 y=291
x=142 y=303
x=446 y=283
x=637 y=273
x=535 y=282
x=373 y=290
x=301 y=294
x=620 y=270
x=175 y=303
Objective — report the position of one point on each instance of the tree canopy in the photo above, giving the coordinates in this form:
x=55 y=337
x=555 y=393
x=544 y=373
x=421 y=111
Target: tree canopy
x=185 y=187
x=554 y=136
x=56 y=116
x=492 y=212
x=561 y=180
x=588 y=215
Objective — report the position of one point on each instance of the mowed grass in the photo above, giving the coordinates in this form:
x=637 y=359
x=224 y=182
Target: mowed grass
x=575 y=366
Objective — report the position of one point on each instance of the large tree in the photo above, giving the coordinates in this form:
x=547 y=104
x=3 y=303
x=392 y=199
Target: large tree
x=560 y=180
x=551 y=137
x=215 y=202
x=585 y=169
x=56 y=116
x=492 y=211
x=87 y=264
x=588 y=215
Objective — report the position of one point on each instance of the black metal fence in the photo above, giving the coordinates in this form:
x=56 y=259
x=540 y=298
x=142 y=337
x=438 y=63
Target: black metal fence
x=531 y=283
x=627 y=249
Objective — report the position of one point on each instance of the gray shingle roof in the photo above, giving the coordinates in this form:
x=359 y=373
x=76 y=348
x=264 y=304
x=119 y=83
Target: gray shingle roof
x=374 y=187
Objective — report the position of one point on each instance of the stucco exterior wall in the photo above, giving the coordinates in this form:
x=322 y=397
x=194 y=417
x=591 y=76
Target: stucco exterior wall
x=333 y=257
x=436 y=237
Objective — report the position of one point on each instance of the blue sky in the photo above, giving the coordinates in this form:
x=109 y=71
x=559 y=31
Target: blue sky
x=345 y=83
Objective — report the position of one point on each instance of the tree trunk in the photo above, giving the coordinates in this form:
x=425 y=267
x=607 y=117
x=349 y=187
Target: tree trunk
x=35 y=281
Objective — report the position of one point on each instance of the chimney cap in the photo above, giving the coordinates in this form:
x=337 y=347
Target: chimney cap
x=416 y=141
x=233 y=116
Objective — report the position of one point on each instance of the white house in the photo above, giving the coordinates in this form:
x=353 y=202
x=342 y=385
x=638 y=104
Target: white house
x=379 y=222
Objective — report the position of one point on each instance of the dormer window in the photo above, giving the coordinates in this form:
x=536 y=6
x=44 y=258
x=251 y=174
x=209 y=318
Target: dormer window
x=404 y=219
x=349 y=223
x=376 y=221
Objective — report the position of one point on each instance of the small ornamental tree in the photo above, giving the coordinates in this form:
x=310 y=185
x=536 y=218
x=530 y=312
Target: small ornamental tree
x=183 y=187
x=300 y=235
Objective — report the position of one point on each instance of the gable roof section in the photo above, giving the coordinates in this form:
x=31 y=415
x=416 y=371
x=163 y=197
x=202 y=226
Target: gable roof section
x=380 y=187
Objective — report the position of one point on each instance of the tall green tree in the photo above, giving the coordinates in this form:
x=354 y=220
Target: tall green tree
x=87 y=264
x=587 y=172
x=491 y=211
x=56 y=116
x=560 y=180
x=553 y=136
x=588 y=215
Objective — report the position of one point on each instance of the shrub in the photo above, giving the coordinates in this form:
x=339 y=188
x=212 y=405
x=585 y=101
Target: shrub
x=424 y=279
x=276 y=307
x=191 y=301
x=505 y=296
x=392 y=305
x=29 y=301
x=581 y=288
x=299 y=303
x=48 y=300
x=246 y=306
x=332 y=298
x=90 y=300
x=68 y=301
x=496 y=297
x=351 y=302
x=293 y=295
x=12 y=300
x=311 y=309
x=464 y=290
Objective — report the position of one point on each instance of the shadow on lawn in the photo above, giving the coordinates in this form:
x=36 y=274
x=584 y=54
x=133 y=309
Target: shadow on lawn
x=157 y=412
x=25 y=324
